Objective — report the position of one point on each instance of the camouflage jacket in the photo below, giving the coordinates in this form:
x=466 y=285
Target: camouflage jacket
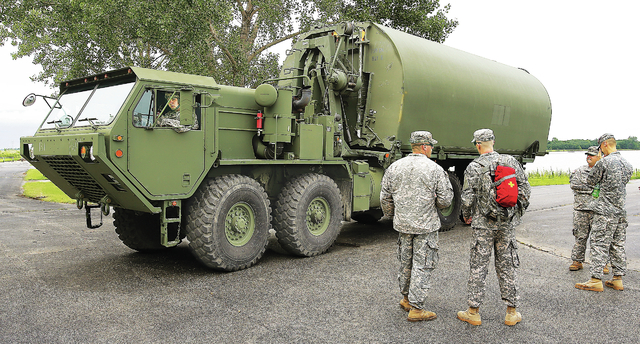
x=471 y=186
x=172 y=119
x=412 y=188
x=581 y=191
x=612 y=173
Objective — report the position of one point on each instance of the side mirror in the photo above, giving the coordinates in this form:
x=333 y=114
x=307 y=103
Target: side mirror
x=29 y=100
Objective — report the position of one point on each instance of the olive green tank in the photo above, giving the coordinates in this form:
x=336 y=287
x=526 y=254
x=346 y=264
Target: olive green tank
x=412 y=83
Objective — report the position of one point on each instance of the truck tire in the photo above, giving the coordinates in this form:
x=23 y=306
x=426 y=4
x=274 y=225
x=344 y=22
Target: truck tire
x=307 y=215
x=450 y=216
x=228 y=223
x=138 y=230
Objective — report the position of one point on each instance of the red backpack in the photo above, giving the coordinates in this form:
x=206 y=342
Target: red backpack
x=498 y=190
x=506 y=186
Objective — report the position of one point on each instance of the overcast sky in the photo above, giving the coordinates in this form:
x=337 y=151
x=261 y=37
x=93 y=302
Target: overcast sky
x=582 y=51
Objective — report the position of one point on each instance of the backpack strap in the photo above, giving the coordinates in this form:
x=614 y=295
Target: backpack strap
x=498 y=182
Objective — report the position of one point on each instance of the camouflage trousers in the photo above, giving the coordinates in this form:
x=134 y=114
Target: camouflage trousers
x=418 y=256
x=581 y=229
x=607 y=241
x=505 y=247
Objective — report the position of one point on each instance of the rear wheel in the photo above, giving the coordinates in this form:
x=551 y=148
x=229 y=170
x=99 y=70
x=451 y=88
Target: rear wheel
x=228 y=223
x=139 y=231
x=307 y=215
x=450 y=216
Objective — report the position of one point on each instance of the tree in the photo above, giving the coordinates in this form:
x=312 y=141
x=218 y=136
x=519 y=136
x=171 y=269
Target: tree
x=226 y=39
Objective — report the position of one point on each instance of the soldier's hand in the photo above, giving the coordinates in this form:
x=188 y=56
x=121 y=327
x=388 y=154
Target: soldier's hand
x=468 y=220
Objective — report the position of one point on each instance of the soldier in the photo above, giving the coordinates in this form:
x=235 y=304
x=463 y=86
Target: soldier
x=582 y=213
x=491 y=233
x=609 y=224
x=412 y=188
x=171 y=117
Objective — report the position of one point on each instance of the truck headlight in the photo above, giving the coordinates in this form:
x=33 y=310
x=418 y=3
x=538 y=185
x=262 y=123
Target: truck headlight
x=28 y=152
x=86 y=152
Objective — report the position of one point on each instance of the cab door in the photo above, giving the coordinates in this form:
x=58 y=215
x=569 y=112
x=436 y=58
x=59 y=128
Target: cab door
x=166 y=158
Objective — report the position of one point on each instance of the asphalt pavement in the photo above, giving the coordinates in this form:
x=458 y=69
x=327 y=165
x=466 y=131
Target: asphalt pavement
x=63 y=283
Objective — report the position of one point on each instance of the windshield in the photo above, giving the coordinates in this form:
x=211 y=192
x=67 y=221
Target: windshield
x=98 y=106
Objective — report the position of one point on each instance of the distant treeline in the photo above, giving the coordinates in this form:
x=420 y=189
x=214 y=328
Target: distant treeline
x=555 y=144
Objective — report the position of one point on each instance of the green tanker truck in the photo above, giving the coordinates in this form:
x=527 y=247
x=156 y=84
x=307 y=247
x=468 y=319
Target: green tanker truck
x=176 y=155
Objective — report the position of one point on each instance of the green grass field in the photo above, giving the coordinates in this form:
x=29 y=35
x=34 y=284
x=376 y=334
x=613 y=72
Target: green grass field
x=38 y=187
x=538 y=178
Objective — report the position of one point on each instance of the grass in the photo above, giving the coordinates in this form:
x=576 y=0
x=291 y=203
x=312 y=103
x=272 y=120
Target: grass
x=7 y=155
x=39 y=187
x=537 y=178
x=33 y=174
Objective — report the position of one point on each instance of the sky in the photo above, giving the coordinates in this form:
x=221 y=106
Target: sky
x=581 y=50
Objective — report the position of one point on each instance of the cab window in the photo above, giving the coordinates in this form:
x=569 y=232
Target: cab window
x=161 y=109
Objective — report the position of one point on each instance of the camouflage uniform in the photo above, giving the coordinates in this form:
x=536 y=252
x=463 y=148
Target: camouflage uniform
x=582 y=214
x=489 y=234
x=412 y=188
x=172 y=119
x=609 y=225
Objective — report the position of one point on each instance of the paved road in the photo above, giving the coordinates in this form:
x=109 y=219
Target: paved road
x=64 y=283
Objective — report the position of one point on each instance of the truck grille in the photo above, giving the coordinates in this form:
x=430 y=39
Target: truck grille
x=76 y=176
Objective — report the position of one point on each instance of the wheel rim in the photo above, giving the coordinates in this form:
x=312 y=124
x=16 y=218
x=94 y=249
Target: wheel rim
x=448 y=210
x=318 y=216
x=239 y=224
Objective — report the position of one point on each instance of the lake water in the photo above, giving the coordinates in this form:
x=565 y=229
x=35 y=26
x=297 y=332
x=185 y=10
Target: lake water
x=568 y=161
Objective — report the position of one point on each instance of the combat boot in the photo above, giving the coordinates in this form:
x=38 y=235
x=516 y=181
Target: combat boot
x=404 y=304
x=416 y=314
x=605 y=270
x=471 y=316
x=593 y=284
x=575 y=266
x=512 y=316
x=615 y=283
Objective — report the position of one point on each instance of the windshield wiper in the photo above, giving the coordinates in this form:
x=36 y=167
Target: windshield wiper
x=90 y=120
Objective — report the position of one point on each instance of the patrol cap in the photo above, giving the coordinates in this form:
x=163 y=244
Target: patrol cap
x=593 y=150
x=422 y=137
x=483 y=135
x=605 y=137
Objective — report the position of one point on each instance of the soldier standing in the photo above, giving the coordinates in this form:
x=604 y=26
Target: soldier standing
x=490 y=233
x=412 y=188
x=582 y=213
x=609 y=224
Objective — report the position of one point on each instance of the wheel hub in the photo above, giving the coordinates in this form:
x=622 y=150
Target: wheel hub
x=318 y=216
x=239 y=224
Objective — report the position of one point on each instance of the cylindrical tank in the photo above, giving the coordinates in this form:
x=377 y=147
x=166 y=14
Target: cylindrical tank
x=417 y=84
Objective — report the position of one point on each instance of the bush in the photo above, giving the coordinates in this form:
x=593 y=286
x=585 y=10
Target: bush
x=7 y=155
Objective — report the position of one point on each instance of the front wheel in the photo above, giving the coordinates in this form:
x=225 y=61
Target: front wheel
x=307 y=215
x=450 y=216
x=139 y=231
x=228 y=223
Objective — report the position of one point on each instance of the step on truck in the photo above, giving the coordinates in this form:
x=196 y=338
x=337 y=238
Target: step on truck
x=176 y=155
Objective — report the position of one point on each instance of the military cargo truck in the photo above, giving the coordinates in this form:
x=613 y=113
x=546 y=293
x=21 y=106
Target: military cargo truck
x=178 y=155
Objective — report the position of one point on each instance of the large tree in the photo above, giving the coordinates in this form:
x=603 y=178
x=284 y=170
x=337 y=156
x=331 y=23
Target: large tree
x=226 y=39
